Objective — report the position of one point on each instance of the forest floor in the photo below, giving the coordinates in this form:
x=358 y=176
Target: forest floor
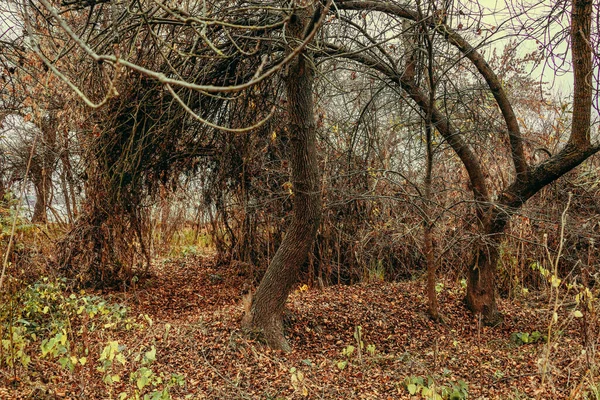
x=195 y=309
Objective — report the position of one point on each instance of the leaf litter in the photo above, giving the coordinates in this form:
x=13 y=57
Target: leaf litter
x=360 y=341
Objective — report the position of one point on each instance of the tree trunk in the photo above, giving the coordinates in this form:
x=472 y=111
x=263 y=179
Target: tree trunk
x=67 y=179
x=3 y=189
x=266 y=312
x=433 y=308
x=481 y=276
x=43 y=187
x=42 y=167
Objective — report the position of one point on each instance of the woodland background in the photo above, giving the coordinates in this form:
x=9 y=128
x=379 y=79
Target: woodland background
x=188 y=187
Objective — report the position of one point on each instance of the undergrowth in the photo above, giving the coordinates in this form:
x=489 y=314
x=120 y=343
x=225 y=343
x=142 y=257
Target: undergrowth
x=75 y=332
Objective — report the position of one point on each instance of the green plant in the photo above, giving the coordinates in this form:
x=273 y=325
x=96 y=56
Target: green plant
x=147 y=384
x=349 y=351
x=110 y=356
x=14 y=348
x=376 y=271
x=521 y=338
x=187 y=242
x=439 y=287
x=59 y=347
x=592 y=391
x=371 y=349
x=428 y=389
x=47 y=309
x=298 y=381
x=418 y=386
x=44 y=314
x=456 y=391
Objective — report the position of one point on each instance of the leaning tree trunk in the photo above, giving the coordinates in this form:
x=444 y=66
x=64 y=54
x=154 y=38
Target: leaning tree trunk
x=265 y=316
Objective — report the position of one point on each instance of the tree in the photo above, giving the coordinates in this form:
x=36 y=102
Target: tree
x=268 y=303
x=154 y=109
x=494 y=215
x=225 y=53
x=165 y=79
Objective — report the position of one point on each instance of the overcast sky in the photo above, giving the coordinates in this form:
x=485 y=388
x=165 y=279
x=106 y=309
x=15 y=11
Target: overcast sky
x=9 y=26
x=511 y=16
x=497 y=19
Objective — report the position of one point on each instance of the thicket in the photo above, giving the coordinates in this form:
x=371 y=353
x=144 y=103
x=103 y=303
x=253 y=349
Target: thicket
x=192 y=134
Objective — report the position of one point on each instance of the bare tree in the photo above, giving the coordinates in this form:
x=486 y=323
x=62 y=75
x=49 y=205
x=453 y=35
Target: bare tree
x=528 y=179
x=268 y=304
x=225 y=50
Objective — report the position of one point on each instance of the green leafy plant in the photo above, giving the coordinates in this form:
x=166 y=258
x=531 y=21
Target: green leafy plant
x=439 y=287
x=47 y=309
x=148 y=384
x=347 y=352
x=521 y=338
x=110 y=358
x=350 y=351
x=298 y=381
x=45 y=315
x=456 y=391
x=427 y=389
x=59 y=347
x=371 y=349
x=14 y=348
x=419 y=386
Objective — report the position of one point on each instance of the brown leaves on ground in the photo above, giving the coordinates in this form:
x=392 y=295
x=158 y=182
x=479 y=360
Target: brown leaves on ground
x=201 y=303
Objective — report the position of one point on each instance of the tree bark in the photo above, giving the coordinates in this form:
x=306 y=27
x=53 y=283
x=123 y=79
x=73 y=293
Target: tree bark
x=68 y=181
x=481 y=274
x=43 y=166
x=43 y=187
x=581 y=54
x=266 y=312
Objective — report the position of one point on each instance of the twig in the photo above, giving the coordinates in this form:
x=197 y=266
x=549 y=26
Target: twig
x=227 y=380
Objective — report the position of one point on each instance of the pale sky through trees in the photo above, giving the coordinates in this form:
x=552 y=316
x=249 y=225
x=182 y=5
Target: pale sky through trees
x=501 y=15
x=9 y=25
x=505 y=20
x=497 y=21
